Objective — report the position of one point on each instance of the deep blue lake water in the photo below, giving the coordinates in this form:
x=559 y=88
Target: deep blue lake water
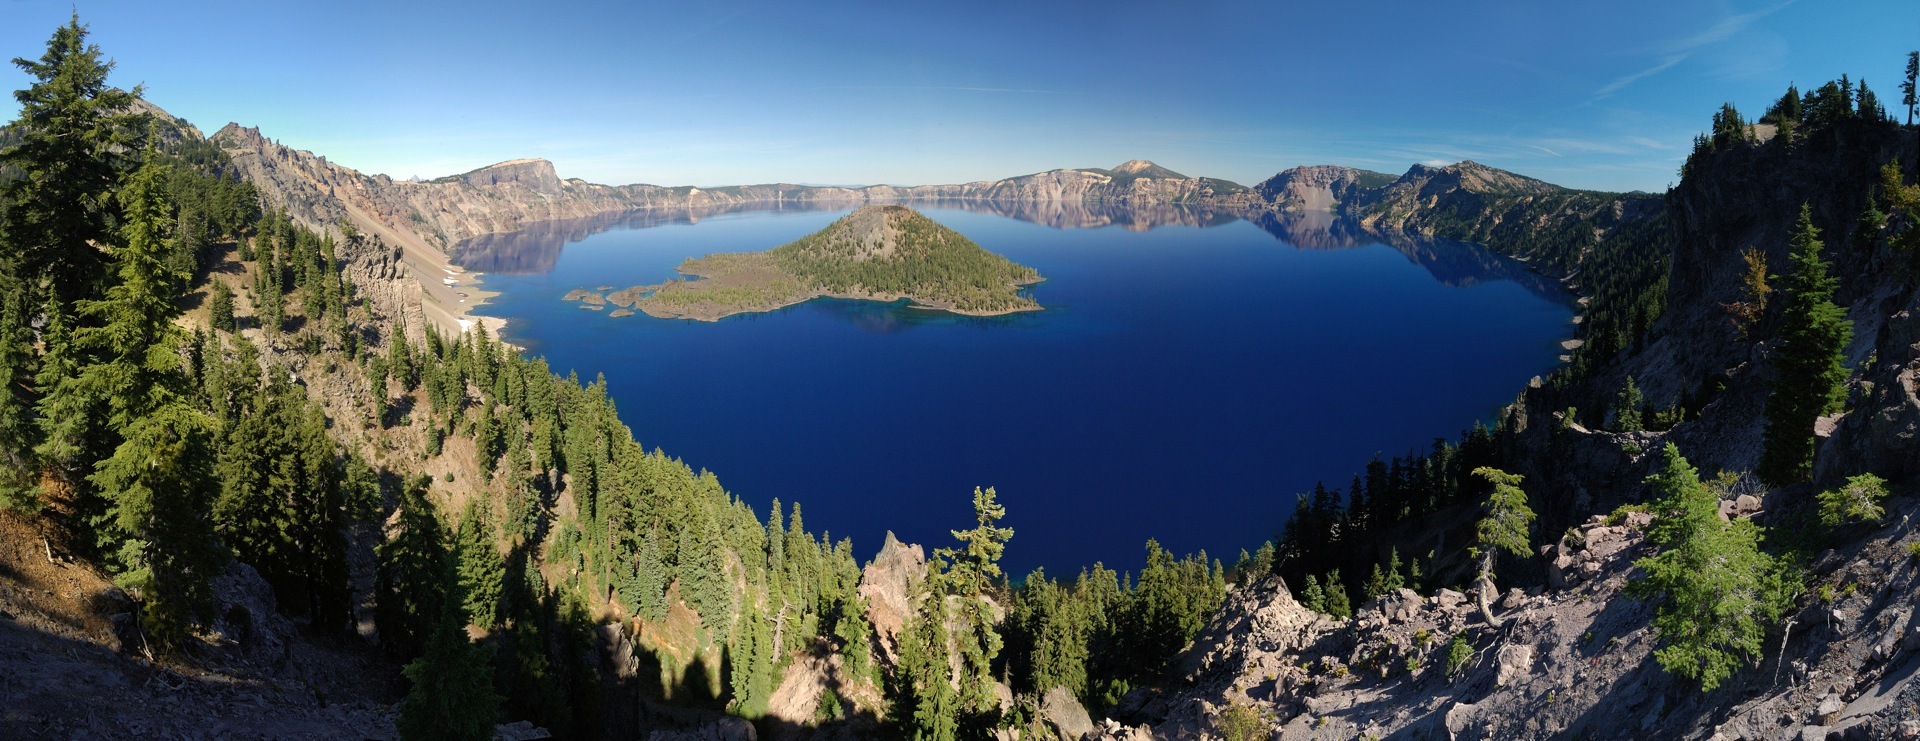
x=1183 y=383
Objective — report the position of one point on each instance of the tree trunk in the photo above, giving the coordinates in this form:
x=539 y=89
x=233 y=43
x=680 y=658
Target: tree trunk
x=1486 y=589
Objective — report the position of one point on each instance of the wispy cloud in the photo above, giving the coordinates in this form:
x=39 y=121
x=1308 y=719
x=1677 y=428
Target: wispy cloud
x=1676 y=52
x=1621 y=83
x=952 y=88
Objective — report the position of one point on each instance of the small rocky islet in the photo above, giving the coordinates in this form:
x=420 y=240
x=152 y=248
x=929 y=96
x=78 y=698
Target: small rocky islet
x=877 y=253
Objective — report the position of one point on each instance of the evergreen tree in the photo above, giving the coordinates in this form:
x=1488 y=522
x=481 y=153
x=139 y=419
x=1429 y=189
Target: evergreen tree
x=481 y=570
x=283 y=504
x=973 y=570
x=1337 y=603
x=76 y=143
x=1857 y=501
x=751 y=658
x=1627 y=408
x=1728 y=127
x=1808 y=370
x=220 y=308
x=1907 y=86
x=1716 y=591
x=646 y=587
x=1376 y=586
x=924 y=703
x=410 y=593
x=452 y=695
x=1506 y=526
x=400 y=358
x=123 y=361
x=703 y=583
x=1786 y=113
x=854 y=633
x=1867 y=105
x=161 y=485
x=1394 y=581
x=1311 y=597
x=19 y=466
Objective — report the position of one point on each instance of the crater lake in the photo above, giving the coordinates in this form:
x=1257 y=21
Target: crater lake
x=1191 y=373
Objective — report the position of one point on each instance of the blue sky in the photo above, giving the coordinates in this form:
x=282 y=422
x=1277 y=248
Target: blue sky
x=1588 y=94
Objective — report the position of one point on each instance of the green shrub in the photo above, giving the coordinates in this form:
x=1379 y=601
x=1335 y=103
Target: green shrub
x=1242 y=722
x=1857 y=501
x=1459 y=652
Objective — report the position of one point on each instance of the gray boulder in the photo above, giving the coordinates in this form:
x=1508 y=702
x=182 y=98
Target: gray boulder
x=1063 y=712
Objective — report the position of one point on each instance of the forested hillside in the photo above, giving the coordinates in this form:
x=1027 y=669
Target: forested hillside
x=200 y=391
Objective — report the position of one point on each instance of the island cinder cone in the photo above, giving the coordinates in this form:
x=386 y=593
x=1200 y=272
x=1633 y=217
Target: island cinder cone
x=878 y=253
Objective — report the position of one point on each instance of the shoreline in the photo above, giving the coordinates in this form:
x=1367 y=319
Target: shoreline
x=912 y=303
x=634 y=300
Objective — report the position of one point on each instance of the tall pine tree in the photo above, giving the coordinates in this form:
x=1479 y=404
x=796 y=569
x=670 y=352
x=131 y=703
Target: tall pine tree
x=123 y=361
x=160 y=483
x=76 y=143
x=1808 y=370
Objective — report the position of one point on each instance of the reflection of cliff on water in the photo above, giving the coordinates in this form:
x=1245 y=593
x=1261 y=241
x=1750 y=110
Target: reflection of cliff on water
x=536 y=249
x=1083 y=215
x=1455 y=264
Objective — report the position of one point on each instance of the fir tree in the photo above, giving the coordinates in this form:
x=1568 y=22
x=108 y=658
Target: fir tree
x=1337 y=603
x=1627 y=408
x=1506 y=526
x=452 y=695
x=160 y=483
x=1908 y=97
x=123 y=361
x=76 y=145
x=19 y=466
x=410 y=594
x=1311 y=597
x=973 y=569
x=751 y=659
x=1808 y=370
x=220 y=307
x=923 y=698
x=1867 y=105
x=283 y=504
x=1376 y=586
x=1394 y=582
x=645 y=588
x=1716 y=591
x=480 y=568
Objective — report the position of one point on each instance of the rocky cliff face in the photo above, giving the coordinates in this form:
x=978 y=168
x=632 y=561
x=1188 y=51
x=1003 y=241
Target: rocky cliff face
x=499 y=198
x=1319 y=187
x=536 y=175
x=888 y=584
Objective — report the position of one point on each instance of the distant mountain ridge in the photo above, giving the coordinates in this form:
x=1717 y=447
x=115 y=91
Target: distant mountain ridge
x=1511 y=214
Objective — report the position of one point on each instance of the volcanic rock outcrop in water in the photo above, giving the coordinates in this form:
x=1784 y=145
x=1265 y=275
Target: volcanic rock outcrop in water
x=879 y=253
